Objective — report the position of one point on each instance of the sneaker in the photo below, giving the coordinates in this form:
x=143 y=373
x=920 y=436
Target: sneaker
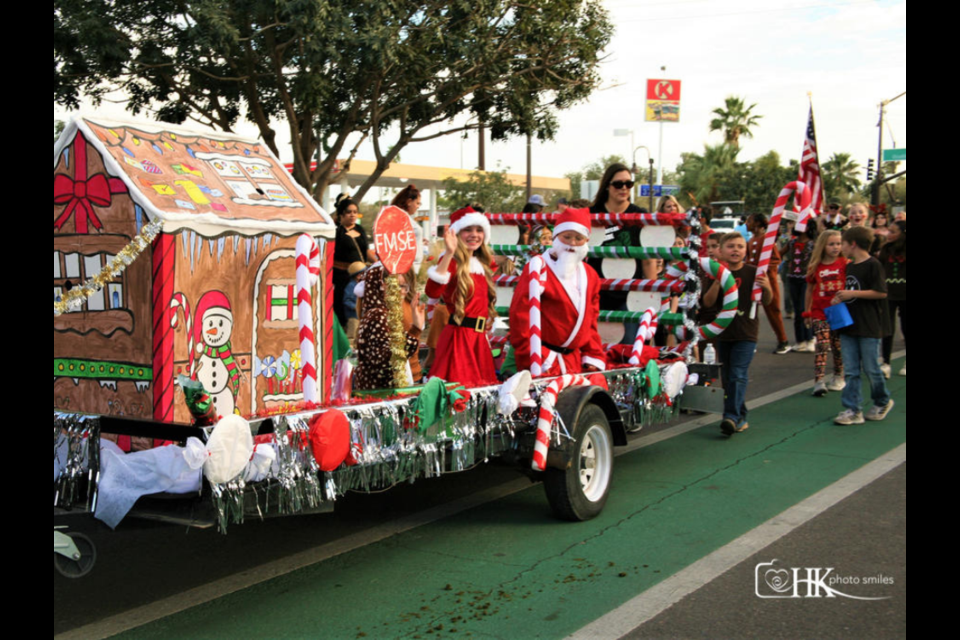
x=878 y=414
x=820 y=390
x=837 y=384
x=806 y=347
x=743 y=427
x=903 y=372
x=783 y=349
x=848 y=418
x=887 y=371
x=728 y=427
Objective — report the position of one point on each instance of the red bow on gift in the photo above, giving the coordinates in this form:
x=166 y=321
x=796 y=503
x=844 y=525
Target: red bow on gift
x=81 y=194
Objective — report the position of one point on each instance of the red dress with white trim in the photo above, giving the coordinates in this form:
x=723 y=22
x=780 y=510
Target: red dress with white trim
x=463 y=354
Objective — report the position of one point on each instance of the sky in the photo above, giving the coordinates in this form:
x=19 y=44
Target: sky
x=848 y=54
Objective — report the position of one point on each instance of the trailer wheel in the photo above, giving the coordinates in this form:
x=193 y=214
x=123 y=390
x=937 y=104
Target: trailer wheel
x=579 y=493
x=73 y=569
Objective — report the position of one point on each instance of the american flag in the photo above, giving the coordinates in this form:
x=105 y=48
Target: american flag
x=810 y=167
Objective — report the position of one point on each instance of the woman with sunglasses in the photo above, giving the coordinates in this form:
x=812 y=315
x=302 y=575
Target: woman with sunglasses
x=614 y=197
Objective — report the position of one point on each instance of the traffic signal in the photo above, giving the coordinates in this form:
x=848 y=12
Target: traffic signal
x=871 y=170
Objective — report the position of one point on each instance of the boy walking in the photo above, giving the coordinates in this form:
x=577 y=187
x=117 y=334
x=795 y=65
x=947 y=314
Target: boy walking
x=865 y=293
x=738 y=344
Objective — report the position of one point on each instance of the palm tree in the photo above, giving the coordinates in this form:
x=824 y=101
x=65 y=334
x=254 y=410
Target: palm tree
x=700 y=175
x=841 y=175
x=735 y=121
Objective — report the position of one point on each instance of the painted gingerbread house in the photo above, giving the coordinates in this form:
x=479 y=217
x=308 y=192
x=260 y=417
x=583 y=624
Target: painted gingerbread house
x=182 y=244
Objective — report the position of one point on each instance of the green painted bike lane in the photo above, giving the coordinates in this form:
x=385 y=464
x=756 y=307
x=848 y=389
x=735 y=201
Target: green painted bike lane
x=509 y=570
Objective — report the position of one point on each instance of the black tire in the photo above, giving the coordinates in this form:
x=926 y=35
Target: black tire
x=580 y=493
x=75 y=569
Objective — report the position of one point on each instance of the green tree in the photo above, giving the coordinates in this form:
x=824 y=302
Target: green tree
x=735 y=120
x=592 y=171
x=335 y=73
x=701 y=176
x=841 y=176
x=58 y=126
x=491 y=189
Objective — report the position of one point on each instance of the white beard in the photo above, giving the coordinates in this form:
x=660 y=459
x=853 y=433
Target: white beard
x=567 y=259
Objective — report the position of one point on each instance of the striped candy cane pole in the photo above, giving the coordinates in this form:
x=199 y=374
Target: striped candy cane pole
x=648 y=328
x=537 y=284
x=308 y=274
x=548 y=402
x=804 y=195
x=731 y=298
x=432 y=308
x=179 y=303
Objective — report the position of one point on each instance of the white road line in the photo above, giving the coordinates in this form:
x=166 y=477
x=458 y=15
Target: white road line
x=654 y=601
x=154 y=611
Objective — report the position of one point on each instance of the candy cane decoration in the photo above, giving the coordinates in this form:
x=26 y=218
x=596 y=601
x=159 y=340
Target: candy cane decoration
x=308 y=274
x=666 y=286
x=180 y=304
x=648 y=329
x=538 y=283
x=598 y=220
x=432 y=308
x=548 y=402
x=805 y=197
x=731 y=299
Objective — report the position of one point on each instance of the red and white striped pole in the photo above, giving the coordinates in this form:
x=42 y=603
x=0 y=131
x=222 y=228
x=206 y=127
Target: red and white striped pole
x=308 y=274
x=538 y=283
x=773 y=231
x=548 y=403
x=648 y=329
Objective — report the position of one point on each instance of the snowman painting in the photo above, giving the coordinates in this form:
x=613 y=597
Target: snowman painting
x=211 y=360
x=216 y=368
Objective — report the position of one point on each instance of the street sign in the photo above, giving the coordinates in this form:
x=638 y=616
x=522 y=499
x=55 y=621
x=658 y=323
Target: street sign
x=663 y=100
x=895 y=155
x=659 y=190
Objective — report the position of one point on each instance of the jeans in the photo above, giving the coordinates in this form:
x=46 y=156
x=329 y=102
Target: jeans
x=798 y=294
x=862 y=353
x=735 y=359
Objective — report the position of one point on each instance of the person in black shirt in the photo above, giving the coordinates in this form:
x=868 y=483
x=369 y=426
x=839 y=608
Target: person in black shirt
x=865 y=296
x=893 y=257
x=351 y=246
x=614 y=197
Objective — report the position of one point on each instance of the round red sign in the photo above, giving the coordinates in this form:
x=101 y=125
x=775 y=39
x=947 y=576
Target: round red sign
x=395 y=240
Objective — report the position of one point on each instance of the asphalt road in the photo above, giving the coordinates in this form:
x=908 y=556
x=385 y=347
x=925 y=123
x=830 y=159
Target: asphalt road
x=142 y=563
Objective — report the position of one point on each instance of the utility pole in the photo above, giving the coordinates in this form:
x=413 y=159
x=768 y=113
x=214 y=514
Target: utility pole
x=875 y=190
x=482 y=164
x=529 y=166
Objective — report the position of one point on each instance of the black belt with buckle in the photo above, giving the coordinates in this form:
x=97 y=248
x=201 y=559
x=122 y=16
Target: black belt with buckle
x=477 y=324
x=561 y=350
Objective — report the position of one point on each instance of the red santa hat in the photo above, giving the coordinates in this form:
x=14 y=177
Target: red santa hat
x=574 y=220
x=468 y=217
x=214 y=302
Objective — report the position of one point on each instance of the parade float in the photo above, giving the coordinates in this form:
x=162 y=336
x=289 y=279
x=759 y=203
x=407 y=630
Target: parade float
x=195 y=376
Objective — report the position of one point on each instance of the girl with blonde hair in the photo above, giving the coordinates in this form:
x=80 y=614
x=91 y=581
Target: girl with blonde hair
x=826 y=275
x=464 y=279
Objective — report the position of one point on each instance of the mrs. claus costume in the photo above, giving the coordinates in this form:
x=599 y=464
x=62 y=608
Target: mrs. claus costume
x=569 y=302
x=463 y=352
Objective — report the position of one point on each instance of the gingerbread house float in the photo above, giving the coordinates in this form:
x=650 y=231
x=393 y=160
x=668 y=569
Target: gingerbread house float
x=174 y=255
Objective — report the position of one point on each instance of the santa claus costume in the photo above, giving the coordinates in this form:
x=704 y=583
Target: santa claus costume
x=559 y=288
x=463 y=353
